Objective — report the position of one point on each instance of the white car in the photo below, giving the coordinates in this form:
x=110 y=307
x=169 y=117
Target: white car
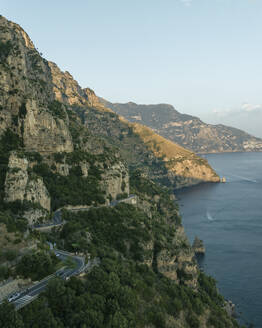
x=13 y=297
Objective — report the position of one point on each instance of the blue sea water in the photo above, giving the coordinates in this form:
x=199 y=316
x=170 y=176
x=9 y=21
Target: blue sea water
x=228 y=218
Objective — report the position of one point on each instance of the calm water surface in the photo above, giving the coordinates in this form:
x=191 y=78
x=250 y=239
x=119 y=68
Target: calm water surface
x=228 y=217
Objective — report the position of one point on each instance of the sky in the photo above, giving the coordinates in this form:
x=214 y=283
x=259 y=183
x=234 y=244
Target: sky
x=202 y=56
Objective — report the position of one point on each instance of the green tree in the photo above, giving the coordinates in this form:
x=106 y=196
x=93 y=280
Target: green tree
x=9 y=318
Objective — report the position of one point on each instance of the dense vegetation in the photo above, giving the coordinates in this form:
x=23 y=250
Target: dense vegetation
x=121 y=293
x=124 y=228
x=72 y=189
x=12 y=222
x=36 y=265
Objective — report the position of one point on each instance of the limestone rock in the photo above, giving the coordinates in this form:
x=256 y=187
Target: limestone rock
x=115 y=180
x=26 y=92
x=45 y=133
x=179 y=264
x=19 y=186
x=198 y=246
x=84 y=168
x=62 y=168
x=36 y=192
x=34 y=214
x=68 y=91
x=16 y=178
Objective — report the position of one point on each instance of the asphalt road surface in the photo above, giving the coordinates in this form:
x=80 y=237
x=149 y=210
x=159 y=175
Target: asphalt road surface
x=28 y=295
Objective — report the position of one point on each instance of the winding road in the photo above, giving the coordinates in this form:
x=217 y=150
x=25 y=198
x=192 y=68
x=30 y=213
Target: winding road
x=31 y=293
x=28 y=295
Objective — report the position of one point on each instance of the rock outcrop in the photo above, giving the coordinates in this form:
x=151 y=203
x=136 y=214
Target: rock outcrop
x=68 y=91
x=178 y=264
x=19 y=186
x=45 y=133
x=36 y=192
x=16 y=178
x=115 y=180
x=198 y=246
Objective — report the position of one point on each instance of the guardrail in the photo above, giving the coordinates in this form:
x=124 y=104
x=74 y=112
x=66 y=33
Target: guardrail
x=28 y=301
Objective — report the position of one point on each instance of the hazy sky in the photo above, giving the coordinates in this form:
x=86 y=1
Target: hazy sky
x=198 y=55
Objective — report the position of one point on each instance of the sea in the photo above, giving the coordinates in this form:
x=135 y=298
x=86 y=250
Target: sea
x=228 y=218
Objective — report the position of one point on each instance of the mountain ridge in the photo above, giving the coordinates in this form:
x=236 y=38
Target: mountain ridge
x=187 y=130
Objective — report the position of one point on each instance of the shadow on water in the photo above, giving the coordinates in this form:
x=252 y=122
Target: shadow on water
x=203 y=190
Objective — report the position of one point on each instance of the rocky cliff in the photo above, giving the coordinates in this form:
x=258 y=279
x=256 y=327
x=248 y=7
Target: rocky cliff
x=23 y=187
x=163 y=160
x=20 y=186
x=31 y=114
x=26 y=94
x=186 y=130
x=60 y=147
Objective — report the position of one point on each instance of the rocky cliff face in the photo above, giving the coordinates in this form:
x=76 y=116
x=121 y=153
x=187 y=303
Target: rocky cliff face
x=19 y=186
x=179 y=264
x=30 y=88
x=68 y=91
x=172 y=256
x=115 y=180
x=45 y=133
x=188 y=131
x=16 y=178
x=26 y=94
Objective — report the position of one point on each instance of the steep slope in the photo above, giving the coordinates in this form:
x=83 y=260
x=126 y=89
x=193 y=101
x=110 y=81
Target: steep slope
x=188 y=131
x=43 y=144
x=59 y=147
x=161 y=160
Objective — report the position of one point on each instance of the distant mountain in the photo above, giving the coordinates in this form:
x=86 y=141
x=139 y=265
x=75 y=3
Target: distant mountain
x=186 y=130
x=248 y=118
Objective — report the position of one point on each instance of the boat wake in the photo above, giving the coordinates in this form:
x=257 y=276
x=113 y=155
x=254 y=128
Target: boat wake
x=209 y=217
x=243 y=178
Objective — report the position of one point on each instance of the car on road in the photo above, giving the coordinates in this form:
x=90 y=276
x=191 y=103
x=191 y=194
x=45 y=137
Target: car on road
x=59 y=273
x=13 y=297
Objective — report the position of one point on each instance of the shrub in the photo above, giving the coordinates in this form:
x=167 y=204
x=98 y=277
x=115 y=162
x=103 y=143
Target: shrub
x=56 y=108
x=5 y=49
x=4 y=272
x=36 y=265
x=10 y=255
